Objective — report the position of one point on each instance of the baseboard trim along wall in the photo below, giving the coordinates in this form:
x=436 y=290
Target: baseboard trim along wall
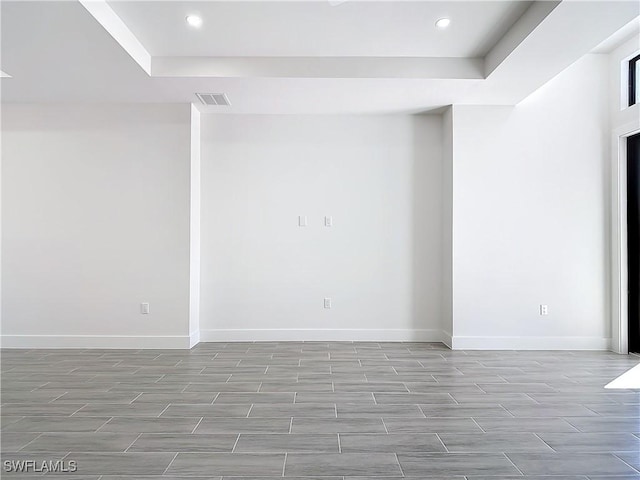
x=310 y=335
x=194 y=338
x=321 y=335
x=95 y=341
x=446 y=338
x=530 y=343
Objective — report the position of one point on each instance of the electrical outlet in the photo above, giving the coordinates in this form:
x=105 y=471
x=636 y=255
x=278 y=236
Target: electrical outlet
x=327 y=303
x=328 y=221
x=144 y=308
x=544 y=310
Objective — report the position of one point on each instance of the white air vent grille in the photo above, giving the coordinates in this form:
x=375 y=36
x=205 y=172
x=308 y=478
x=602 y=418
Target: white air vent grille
x=213 y=98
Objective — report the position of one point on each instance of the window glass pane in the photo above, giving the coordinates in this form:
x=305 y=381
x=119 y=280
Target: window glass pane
x=634 y=80
x=636 y=87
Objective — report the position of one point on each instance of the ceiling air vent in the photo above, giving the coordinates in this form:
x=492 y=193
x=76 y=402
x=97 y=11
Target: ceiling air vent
x=213 y=98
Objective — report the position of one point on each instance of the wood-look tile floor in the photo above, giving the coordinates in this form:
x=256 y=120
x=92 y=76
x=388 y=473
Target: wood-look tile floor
x=319 y=411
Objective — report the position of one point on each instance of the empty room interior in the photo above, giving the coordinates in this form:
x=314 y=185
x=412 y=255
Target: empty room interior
x=320 y=240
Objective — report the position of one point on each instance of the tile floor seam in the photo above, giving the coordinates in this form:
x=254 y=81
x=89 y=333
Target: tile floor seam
x=511 y=415
x=443 y=444
x=197 y=425
x=545 y=442
x=284 y=465
x=29 y=443
x=512 y=463
x=236 y=443
x=131 y=444
x=60 y=396
x=474 y=421
x=399 y=465
x=137 y=396
x=384 y=425
x=572 y=425
x=171 y=462
x=637 y=469
x=98 y=429
x=85 y=405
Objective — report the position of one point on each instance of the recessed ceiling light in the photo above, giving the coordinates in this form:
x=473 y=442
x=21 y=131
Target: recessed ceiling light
x=443 y=23
x=194 y=21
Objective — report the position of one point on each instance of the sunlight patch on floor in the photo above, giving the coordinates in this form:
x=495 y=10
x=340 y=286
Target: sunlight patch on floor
x=629 y=379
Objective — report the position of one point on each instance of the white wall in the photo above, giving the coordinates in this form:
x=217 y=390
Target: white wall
x=457 y=224
x=263 y=277
x=530 y=216
x=95 y=220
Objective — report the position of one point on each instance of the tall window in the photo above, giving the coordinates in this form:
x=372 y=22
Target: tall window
x=634 y=80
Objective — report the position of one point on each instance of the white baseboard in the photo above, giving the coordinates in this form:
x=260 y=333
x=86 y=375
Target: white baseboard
x=194 y=338
x=321 y=335
x=530 y=343
x=95 y=341
x=446 y=338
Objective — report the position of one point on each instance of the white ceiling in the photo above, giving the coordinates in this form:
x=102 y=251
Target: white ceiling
x=315 y=28
x=59 y=52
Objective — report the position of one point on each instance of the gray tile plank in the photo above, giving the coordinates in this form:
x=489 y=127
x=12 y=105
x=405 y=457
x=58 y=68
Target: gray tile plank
x=337 y=425
x=392 y=443
x=413 y=398
x=605 y=424
x=282 y=443
x=244 y=425
x=431 y=425
x=293 y=410
x=494 y=442
x=306 y=464
x=570 y=463
x=592 y=442
x=151 y=425
x=179 y=442
x=425 y=464
x=57 y=424
x=121 y=463
x=115 y=410
x=200 y=410
x=233 y=464
x=81 y=442
x=521 y=424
